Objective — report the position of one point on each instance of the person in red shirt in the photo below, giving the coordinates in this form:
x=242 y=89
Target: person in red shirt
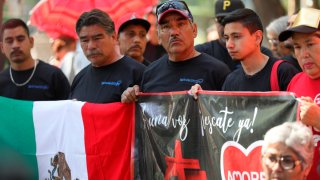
x=305 y=35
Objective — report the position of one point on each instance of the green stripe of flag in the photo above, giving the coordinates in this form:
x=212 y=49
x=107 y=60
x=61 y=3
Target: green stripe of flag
x=17 y=130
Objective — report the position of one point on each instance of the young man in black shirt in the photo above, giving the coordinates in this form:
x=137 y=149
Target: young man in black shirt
x=26 y=78
x=243 y=32
x=109 y=73
x=183 y=66
x=217 y=48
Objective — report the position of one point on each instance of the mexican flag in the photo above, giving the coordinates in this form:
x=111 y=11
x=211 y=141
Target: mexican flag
x=67 y=139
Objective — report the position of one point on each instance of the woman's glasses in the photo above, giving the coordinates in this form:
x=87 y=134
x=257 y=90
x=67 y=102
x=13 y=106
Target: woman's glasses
x=286 y=162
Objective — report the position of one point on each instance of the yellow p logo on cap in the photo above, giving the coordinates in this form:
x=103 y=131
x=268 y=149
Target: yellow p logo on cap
x=226 y=4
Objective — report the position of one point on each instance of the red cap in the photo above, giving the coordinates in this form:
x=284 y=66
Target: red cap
x=131 y=18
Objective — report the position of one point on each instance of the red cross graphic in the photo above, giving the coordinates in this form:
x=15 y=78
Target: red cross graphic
x=178 y=167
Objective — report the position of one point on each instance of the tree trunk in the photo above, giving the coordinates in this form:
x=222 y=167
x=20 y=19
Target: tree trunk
x=293 y=6
x=306 y=3
x=2 y=57
x=268 y=10
x=1 y=10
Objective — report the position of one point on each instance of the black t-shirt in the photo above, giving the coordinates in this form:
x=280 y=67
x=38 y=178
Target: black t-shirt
x=164 y=75
x=239 y=81
x=216 y=49
x=47 y=83
x=293 y=61
x=106 y=84
x=153 y=52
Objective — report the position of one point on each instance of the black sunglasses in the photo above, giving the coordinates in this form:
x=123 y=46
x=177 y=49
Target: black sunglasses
x=179 y=5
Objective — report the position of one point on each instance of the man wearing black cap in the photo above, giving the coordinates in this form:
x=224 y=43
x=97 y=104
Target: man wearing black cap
x=183 y=66
x=305 y=35
x=132 y=36
x=180 y=69
x=217 y=48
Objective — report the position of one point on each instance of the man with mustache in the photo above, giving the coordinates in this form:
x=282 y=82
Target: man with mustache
x=27 y=78
x=109 y=73
x=183 y=66
x=132 y=36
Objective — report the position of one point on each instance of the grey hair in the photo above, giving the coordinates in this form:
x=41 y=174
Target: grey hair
x=295 y=135
x=95 y=17
x=278 y=25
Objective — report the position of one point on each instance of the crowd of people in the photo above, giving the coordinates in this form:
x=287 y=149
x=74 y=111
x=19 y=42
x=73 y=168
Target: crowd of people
x=122 y=64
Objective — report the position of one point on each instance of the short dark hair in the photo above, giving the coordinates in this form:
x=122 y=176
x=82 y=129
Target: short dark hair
x=247 y=17
x=13 y=23
x=95 y=17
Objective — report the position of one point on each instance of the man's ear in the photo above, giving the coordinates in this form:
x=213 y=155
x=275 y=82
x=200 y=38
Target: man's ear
x=159 y=39
x=1 y=45
x=259 y=37
x=31 y=39
x=114 y=36
x=195 y=30
x=117 y=39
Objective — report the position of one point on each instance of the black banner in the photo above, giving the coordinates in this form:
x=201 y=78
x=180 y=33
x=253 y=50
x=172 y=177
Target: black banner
x=218 y=136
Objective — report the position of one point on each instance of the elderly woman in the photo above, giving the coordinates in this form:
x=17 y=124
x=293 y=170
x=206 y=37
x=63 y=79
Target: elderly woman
x=287 y=152
x=281 y=50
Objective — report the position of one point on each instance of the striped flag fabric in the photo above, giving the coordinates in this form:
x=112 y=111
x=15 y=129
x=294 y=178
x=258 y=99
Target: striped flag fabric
x=68 y=139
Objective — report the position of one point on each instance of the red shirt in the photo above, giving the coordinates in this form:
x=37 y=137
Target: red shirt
x=302 y=85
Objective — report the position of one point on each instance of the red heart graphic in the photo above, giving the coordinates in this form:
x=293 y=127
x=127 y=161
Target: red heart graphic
x=239 y=163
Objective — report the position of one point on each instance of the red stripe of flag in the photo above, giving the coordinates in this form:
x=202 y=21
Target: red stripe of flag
x=108 y=130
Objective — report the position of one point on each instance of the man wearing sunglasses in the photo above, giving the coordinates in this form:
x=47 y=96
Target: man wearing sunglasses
x=217 y=48
x=183 y=66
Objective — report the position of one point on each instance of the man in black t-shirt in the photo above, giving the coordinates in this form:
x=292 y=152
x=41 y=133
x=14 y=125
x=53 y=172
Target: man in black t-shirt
x=243 y=32
x=183 y=66
x=217 y=48
x=154 y=50
x=26 y=78
x=109 y=73
x=132 y=36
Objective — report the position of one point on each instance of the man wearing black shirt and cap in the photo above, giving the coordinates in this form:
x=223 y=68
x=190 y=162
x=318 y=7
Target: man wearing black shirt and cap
x=183 y=66
x=132 y=36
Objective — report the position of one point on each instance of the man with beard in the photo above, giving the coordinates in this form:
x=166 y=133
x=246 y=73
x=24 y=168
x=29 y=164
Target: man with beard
x=132 y=36
x=109 y=73
x=27 y=78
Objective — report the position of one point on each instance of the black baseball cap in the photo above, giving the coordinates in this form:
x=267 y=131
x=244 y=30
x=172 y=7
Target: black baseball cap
x=307 y=21
x=224 y=7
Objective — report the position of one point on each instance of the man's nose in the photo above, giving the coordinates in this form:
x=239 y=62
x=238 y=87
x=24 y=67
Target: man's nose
x=229 y=44
x=91 y=44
